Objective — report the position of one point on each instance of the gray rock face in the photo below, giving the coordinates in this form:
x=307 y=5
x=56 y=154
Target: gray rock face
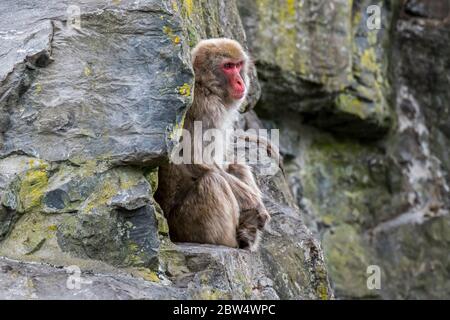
x=109 y=91
x=375 y=192
x=90 y=95
x=37 y=281
x=318 y=60
x=420 y=235
x=435 y=9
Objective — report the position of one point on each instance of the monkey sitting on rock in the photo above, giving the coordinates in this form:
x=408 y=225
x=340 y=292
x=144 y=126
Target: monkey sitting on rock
x=213 y=203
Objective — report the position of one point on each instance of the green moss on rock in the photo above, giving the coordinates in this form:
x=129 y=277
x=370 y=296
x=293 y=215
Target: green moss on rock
x=347 y=260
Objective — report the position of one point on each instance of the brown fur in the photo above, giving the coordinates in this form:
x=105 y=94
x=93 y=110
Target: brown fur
x=210 y=203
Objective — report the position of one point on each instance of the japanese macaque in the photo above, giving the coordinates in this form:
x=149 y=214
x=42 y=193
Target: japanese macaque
x=218 y=203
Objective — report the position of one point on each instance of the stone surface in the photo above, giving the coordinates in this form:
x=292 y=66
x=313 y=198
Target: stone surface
x=110 y=90
x=318 y=59
x=21 y=280
x=87 y=113
x=382 y=201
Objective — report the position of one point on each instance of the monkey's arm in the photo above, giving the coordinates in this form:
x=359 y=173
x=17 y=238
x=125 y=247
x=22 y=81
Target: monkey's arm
x=244 y=174
x=245 y=189
x=253 y=215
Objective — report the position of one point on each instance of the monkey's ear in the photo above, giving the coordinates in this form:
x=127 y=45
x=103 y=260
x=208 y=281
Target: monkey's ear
x=196 y=62
x=197 y=59
x=198 y=55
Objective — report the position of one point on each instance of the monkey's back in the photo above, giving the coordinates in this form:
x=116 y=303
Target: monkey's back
x=173 y=183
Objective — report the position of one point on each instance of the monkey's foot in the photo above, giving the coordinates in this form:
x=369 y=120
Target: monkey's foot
x=251 y=221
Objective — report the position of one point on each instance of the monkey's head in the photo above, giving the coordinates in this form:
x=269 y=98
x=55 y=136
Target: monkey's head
x=221 y=68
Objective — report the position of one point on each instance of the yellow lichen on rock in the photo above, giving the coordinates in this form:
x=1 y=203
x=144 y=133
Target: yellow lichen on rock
x=146 y=274
x=169 y=32
x=101 y=196
x=350 y=104
x=369 y=60
x=188 y=5
x=87 y=71
x=32 y=188
x=185 y=90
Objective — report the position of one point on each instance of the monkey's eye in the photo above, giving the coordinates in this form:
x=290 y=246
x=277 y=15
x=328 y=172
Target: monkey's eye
x=228 y=65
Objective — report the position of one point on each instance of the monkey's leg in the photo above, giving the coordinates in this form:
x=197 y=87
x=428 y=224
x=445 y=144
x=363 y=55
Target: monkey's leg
x=208 y=213
x=246 y=190
x=253 y=214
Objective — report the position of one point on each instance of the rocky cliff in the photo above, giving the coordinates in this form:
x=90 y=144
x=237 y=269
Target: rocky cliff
x=91 y=95
x=365 y=117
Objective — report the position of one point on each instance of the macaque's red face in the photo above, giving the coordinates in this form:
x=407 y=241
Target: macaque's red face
x=236 y=85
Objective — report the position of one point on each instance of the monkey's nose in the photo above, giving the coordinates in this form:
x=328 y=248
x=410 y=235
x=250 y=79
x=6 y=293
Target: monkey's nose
x=239 y=83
